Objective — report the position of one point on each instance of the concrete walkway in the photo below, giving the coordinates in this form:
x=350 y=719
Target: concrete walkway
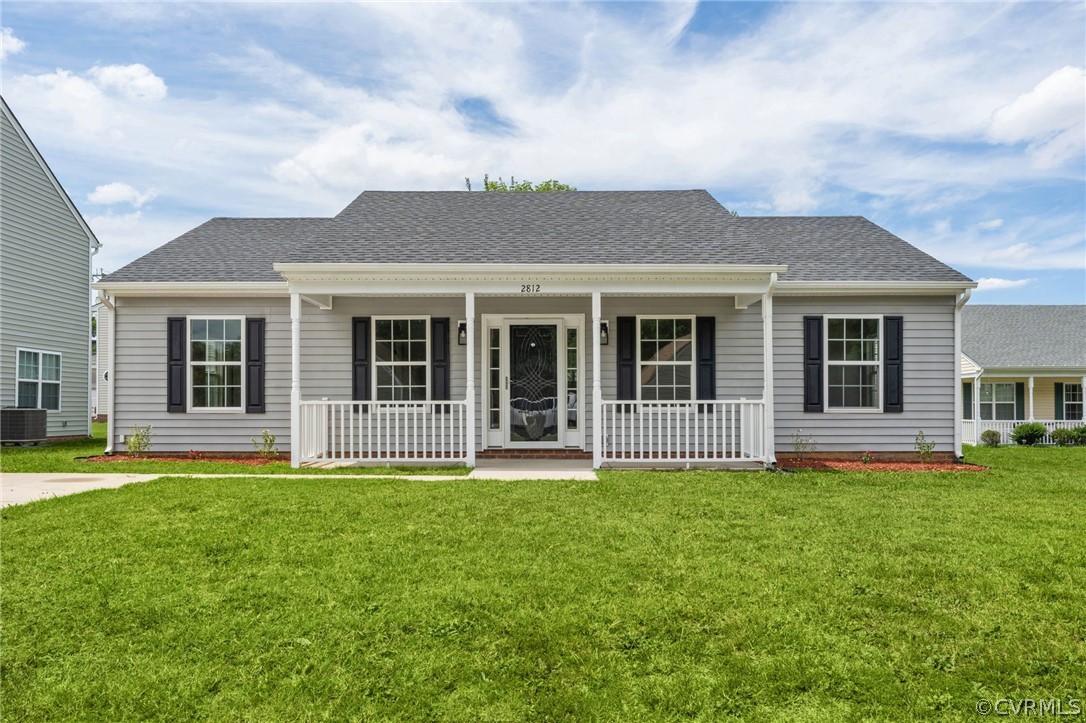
x=18 y=489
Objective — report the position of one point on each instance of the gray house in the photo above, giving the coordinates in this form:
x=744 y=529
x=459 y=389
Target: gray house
x=637 y=328
x=1022 y=363
x=45 y=269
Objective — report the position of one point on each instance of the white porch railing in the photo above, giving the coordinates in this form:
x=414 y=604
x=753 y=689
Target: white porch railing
x=693 y=431
x=1005 y=427
x=384 y=431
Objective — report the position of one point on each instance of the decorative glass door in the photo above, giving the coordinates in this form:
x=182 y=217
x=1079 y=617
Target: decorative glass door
x=536 y=402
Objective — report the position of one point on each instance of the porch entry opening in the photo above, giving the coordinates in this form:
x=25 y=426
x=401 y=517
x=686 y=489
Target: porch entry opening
x=532 y=365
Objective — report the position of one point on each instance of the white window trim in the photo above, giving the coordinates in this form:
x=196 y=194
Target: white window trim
x=981 y=403
x=428 y=364
x=39 y=380
x=693 y=363
x=189 y=363
x=827 y=362
x=1081 y=401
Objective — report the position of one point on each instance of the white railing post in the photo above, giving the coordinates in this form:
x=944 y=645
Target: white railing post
x=295 y=379
x=597 y=387
x=469 y=437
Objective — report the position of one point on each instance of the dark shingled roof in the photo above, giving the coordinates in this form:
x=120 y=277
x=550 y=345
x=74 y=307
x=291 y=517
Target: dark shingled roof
x=575 y=227
x=1024 y=336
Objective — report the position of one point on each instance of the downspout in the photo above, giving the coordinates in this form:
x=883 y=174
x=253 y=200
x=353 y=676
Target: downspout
x=111 y=372
x=770 y=426
x=958 y=416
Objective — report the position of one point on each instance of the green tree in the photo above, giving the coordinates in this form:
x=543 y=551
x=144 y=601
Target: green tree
x=515 y=185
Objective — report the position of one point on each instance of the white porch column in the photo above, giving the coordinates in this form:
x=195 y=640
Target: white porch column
x=597 y=387
x=1031 y=399
x=295 y=380
x=469 y=316
x=767 y=371
x=976 y=410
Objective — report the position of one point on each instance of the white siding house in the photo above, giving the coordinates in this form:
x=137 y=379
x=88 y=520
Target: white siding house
x=45 y=266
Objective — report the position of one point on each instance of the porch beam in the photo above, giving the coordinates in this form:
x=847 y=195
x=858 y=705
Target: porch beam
x=743 y=301
x=295 y=379
x=472 y=423
x=597 y=387
x=324 y=303
x=769 y=446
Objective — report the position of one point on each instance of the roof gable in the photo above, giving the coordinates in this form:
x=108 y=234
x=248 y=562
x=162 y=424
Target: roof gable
x=1020 y=336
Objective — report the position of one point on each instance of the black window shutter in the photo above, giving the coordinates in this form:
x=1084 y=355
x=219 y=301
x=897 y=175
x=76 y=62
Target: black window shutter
x=175 y=364
x=254 y=366
x=967 y=401
x=812 y=364
x=1059 y=399
x=893 y=385
x=360 y=357
x=439 y=363
x=705 y=335
x=627 y=357
x=1019 y=400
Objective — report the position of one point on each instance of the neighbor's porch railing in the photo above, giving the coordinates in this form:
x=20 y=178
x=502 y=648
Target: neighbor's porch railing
x=689 y=431
x=384 y=431
x=1005 y=427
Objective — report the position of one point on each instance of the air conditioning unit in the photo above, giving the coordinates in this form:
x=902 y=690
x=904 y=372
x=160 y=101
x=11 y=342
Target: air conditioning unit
x=22 y=425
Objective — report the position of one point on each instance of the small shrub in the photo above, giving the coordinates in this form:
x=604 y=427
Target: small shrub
x=867 y=457
x=138 y=440
x=196 y=455
x=802 y=444
x=1080 y=434
x=1029 y=433
x=923 y=447
x=266 y=446
x=990 y=438
x=1065 y=437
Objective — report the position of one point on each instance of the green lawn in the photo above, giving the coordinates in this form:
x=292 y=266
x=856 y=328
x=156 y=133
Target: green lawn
x=65 y=457
x=811 y=596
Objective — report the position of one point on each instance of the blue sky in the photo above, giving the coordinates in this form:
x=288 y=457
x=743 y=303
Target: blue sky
x=959 y=126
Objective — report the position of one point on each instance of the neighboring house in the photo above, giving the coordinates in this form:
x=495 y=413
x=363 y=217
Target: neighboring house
x=101 y=360
x=1022 y=364
x=643 y=327
x=45 y=267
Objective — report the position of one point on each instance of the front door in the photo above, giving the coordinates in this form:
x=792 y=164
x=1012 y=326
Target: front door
x=535 y=407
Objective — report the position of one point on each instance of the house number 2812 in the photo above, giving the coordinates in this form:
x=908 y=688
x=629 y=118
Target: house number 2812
x=529 y=288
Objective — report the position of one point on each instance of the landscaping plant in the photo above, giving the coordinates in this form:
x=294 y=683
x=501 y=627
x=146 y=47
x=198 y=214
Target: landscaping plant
x=138 y=440
x=1029 y=433
x=990 y=438
x=266 y=446
x=923 y=447
x=1064 y=437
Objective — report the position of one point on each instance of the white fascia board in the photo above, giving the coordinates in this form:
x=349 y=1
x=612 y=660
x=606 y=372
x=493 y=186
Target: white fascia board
x=1013 y=372
x=867 y=288
x=192 y=288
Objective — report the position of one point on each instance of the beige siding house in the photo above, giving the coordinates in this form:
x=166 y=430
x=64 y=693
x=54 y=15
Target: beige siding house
x=633 y=328
x=45 y=268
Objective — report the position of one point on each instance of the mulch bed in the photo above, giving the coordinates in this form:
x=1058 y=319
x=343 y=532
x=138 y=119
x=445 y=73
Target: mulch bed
x=247 y=461
x=853 y=465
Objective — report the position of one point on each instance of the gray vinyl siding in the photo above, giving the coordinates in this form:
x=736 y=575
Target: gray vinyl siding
x=929 y=365
x=101 y=364
x=44 y=282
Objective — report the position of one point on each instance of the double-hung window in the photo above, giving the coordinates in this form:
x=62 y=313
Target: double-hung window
x=38 y=379
x=215 y=360
x=1072 y=401
x=853 y=363
x=401 y=350
x=666 y=358
x=997 y=401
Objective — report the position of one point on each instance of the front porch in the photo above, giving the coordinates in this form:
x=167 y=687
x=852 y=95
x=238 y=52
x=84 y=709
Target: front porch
x=523 y=369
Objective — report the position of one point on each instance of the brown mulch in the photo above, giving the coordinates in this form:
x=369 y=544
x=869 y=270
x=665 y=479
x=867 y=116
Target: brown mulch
x=852 y=465
x=247 y=461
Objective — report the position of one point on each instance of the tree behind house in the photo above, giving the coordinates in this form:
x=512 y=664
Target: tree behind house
x=515 y=185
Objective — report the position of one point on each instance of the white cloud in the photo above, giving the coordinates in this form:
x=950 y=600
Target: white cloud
x=135 y=81
x=990 y=225
x=9 y=44
x=1051 y=118
x=113 y=193
x=995 y=284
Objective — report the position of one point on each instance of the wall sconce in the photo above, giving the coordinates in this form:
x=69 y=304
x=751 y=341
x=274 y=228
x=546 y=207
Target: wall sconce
x=605 y=332
x=462 y=333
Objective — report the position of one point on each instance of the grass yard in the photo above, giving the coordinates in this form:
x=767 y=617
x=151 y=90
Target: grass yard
x=819 y=596
x=65 y=457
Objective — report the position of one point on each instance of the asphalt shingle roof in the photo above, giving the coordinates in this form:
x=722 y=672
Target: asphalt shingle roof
x=1024 y=336
x=576 y=227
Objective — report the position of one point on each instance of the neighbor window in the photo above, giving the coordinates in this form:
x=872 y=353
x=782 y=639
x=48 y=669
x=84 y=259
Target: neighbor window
x=215 y=363
x=997 y=401
x=400 y=354
x=38 y=379
x=852 y=362
x=1072 y=401
x=666 y=358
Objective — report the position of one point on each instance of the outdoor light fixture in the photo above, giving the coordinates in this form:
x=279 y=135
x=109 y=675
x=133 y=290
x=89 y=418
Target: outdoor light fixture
x=605 y=332
x=462 y=333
